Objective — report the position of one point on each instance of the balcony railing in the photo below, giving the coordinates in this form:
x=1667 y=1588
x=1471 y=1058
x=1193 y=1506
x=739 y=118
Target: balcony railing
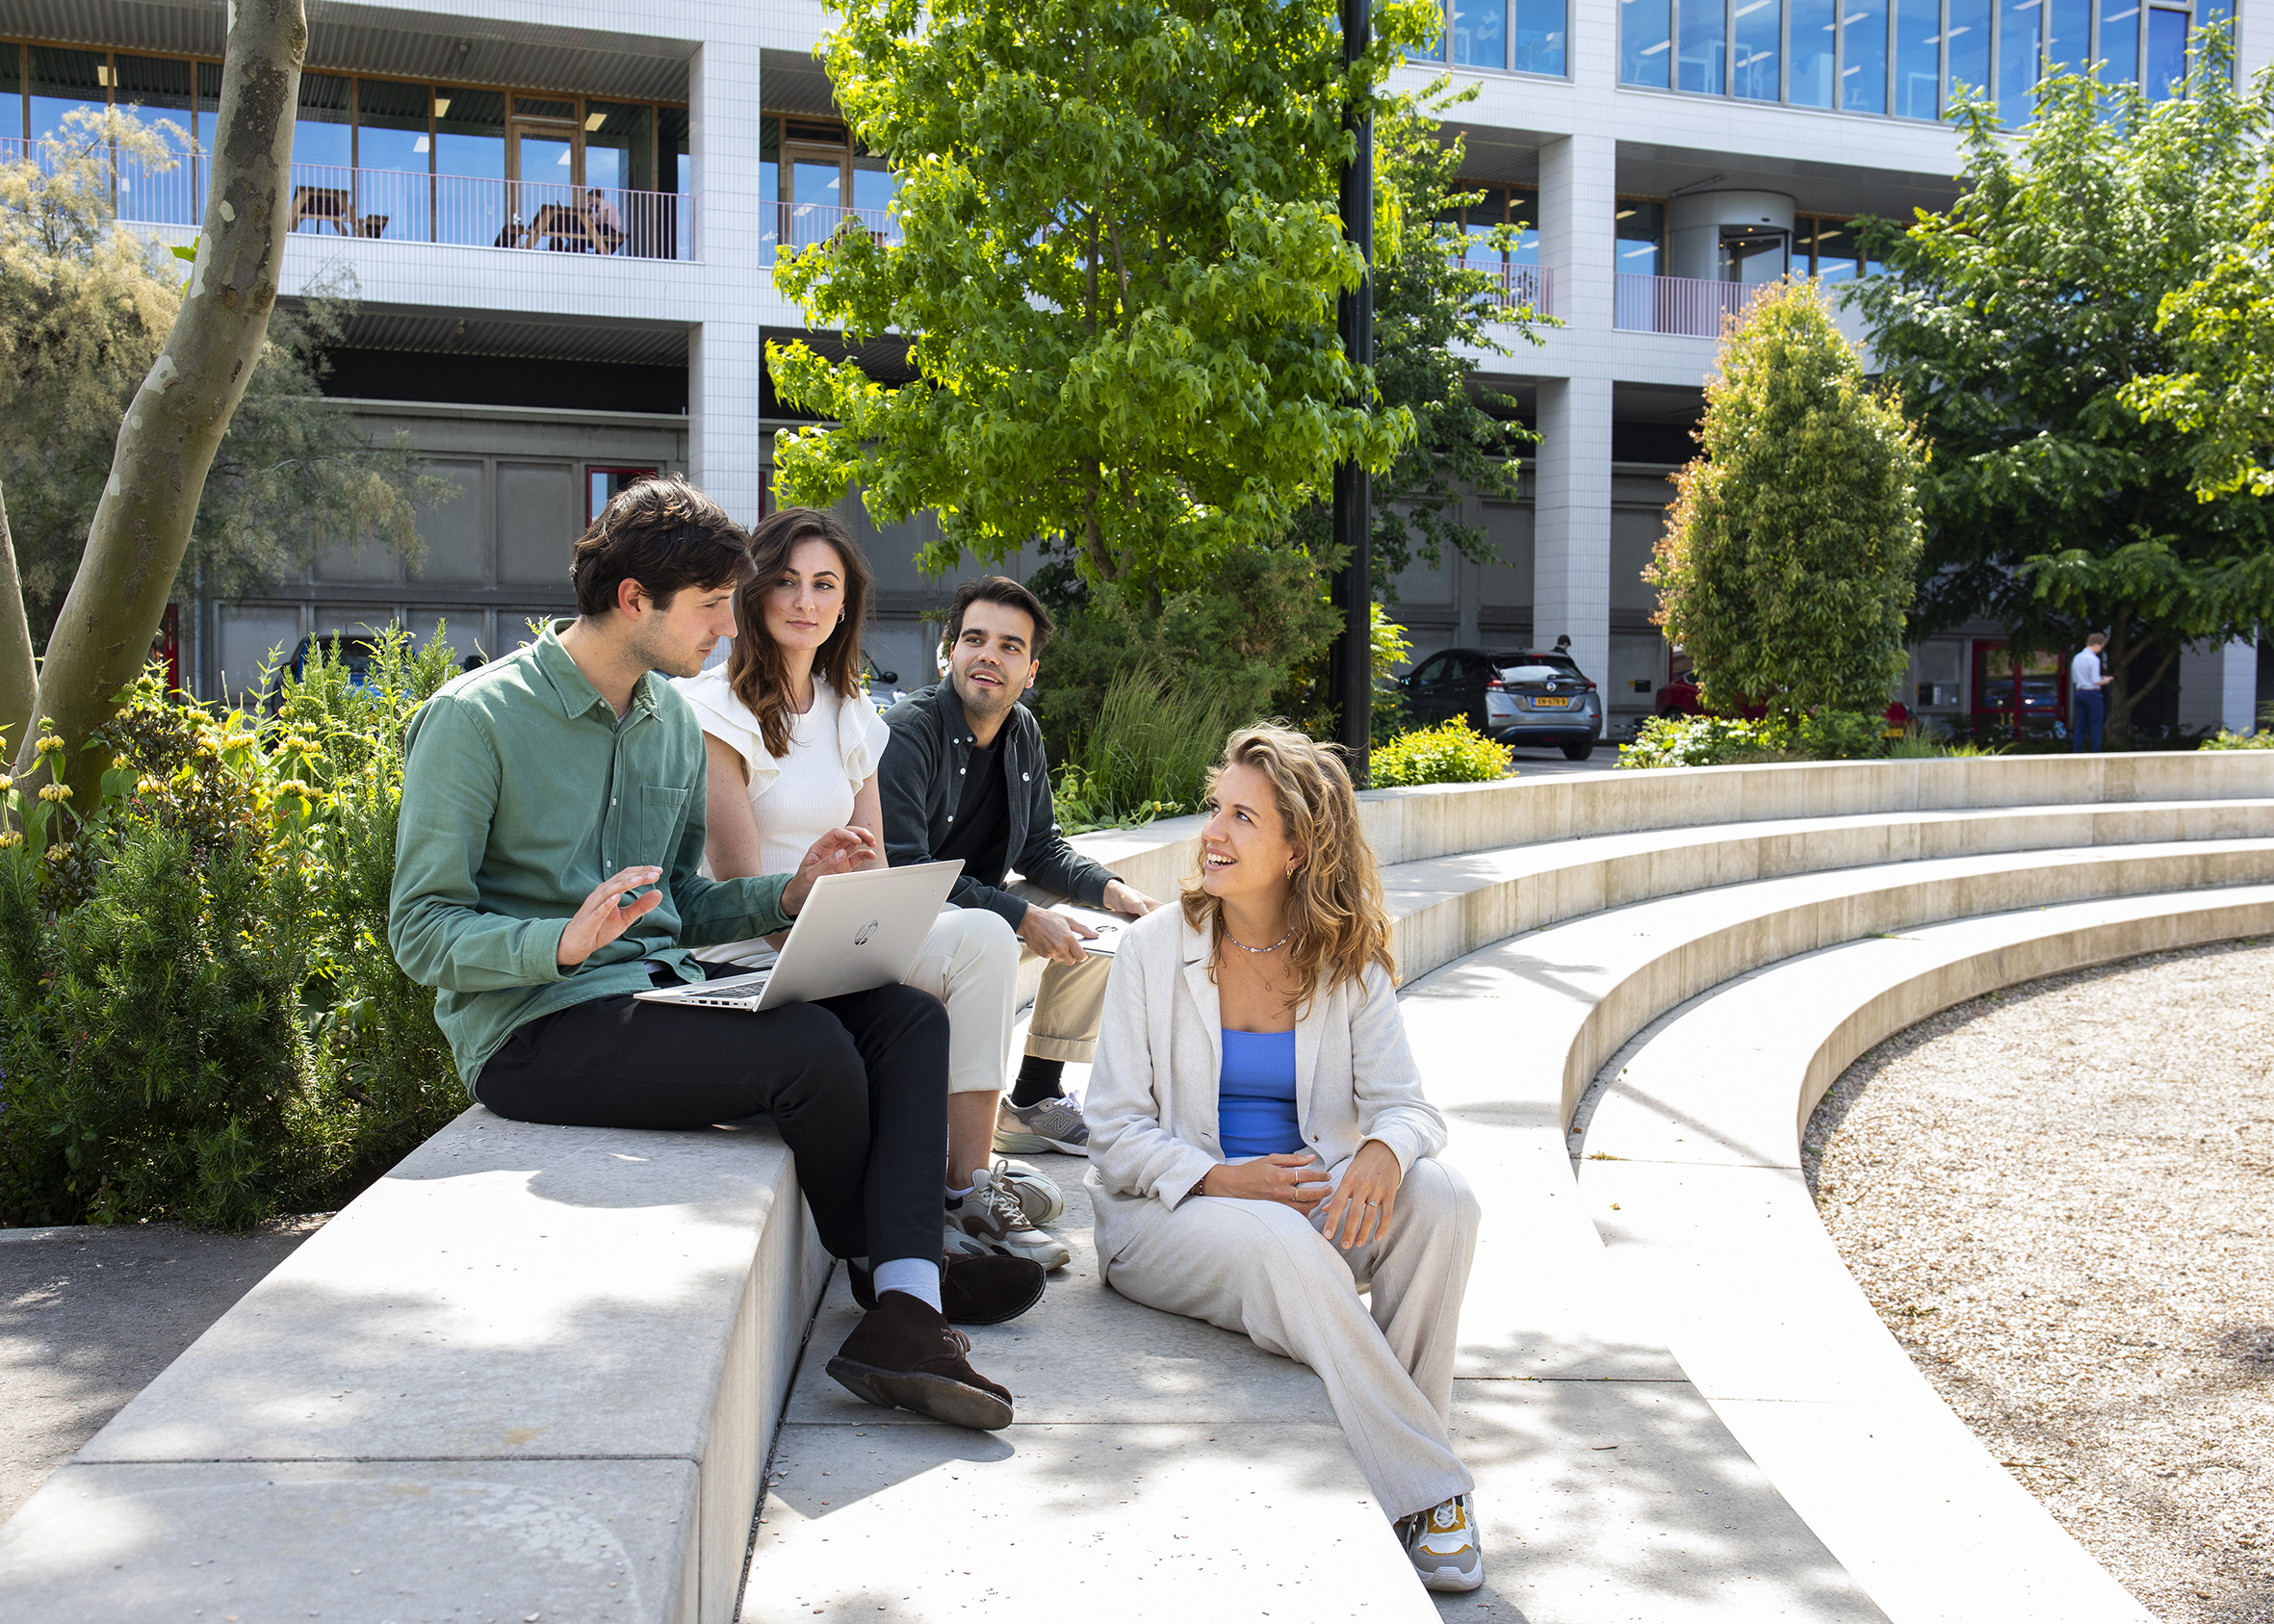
x=1522 y=285
x=798 y=226
x=401 y=206
x=1684 y=305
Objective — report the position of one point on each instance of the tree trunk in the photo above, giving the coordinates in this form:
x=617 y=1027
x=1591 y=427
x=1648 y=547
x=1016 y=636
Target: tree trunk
x=177 y=420
x=19 y=677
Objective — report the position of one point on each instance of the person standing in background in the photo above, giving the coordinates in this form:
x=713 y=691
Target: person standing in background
x=2086 y=680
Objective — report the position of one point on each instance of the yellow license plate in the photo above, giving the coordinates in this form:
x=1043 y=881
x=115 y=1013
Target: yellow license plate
x=1550 y=704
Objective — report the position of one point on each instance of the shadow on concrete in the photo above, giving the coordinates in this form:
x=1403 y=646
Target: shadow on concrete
x=89 y=1316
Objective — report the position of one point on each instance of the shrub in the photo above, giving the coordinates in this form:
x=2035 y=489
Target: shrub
x=1704 y=741
x=200 y=1018
x=1449 y=752
x=1146 y=755
x=2264 y=739
x=1787 y=560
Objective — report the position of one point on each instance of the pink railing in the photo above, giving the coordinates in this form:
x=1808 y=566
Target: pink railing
x=1684 y=305
x=399 y=206
x=798 y=226
x=1524 y=284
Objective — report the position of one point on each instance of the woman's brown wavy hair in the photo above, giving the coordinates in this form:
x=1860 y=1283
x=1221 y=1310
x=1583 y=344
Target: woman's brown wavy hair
x=754 y=670
x=1334 y=903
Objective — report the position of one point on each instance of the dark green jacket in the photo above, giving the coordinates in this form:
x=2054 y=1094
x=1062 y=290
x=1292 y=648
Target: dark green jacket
x=921 y=783
x=520 y=795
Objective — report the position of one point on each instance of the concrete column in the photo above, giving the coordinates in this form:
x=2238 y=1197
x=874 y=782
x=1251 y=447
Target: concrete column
x=1572 y=516
x=725 y=351
x=2219 y=685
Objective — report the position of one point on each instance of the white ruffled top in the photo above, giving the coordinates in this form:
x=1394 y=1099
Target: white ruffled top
x=834 y=749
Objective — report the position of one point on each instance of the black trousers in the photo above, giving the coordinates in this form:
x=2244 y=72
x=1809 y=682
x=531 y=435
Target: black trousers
x=856 y=1087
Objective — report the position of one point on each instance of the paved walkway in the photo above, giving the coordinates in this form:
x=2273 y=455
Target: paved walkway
x=87 y=1316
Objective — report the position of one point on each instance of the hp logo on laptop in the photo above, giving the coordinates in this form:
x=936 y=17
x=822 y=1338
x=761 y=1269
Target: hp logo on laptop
x=867 y=931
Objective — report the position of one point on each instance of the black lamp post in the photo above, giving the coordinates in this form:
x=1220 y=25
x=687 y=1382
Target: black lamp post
x=1350 y=679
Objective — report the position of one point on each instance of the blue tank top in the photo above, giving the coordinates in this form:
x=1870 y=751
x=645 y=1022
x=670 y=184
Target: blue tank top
x=1255 y=1095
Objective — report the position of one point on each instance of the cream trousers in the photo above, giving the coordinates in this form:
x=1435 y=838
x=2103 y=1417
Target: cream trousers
x=1265 y=1271
x=970 y=963
x=1071 y=999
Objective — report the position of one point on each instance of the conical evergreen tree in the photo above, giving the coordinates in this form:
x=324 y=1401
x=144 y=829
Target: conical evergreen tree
x=1787 y=560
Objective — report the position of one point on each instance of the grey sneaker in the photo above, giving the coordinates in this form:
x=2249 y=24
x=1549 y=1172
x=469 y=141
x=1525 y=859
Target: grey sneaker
x=992 y=1216
x=1442 y=1544
x=1050 y=1124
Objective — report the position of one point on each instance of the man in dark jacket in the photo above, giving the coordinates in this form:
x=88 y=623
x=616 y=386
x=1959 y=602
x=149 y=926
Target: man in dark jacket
x=965 y=777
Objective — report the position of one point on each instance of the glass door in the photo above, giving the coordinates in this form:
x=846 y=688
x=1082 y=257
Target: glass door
x=545 y=201
x=813 y=192
x=1753 y=254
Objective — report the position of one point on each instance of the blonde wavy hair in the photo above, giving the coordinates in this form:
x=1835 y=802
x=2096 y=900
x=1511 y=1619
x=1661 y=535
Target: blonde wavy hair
x=1334 y=904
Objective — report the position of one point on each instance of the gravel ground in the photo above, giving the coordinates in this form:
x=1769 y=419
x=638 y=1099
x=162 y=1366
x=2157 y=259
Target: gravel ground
x=87 y=1316
x=2060 y=1198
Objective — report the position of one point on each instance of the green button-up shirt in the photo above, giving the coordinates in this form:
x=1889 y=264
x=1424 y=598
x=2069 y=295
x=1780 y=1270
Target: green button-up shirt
x=521 y=792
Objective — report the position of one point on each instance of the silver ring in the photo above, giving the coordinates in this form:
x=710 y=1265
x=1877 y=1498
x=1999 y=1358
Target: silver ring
x=1374 y=1204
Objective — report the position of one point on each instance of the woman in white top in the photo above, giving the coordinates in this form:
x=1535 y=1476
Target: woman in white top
x=792 y=745
x=1261 y=1151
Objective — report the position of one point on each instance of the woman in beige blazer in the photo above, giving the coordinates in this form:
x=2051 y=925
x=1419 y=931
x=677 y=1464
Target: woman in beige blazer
x=1260 y=1149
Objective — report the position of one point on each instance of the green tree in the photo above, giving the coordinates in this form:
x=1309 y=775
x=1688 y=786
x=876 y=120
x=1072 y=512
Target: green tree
x=1121 y=260
x=1787 y=560
x=2020 y=326
x=86 y=308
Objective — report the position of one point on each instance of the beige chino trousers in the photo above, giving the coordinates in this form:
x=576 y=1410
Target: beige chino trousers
x=1264 y=1270
x=1071 y=999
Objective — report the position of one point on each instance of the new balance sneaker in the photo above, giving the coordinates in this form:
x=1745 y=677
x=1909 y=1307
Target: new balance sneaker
x=1049 y=1124
x=1041 y=1198
x=1441 y=1542
x=993 y=1215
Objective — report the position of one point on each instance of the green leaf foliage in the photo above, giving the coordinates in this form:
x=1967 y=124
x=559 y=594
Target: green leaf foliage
x=1449 y=753
x=1787 y=560
x=2027 y=326
x=1120 y=261
x=199 y=1017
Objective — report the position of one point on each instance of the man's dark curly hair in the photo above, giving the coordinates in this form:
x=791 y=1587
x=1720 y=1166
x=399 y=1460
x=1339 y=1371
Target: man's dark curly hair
x=663 y=533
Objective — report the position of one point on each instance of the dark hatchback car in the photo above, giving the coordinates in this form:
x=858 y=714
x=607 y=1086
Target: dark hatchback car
x=1514 y=696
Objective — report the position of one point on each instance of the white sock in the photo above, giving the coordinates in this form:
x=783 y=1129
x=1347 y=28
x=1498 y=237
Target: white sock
x=917 y=1277
x=959 y=1194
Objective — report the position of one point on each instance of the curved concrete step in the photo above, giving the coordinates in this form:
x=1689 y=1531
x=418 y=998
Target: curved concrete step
x=1693 y=1178
x=1561 y=1360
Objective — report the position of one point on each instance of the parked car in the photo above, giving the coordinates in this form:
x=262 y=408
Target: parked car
x=1514 y=696
x=355 y=654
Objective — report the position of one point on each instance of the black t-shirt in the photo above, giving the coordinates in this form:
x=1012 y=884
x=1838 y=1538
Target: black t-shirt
x=982 y=819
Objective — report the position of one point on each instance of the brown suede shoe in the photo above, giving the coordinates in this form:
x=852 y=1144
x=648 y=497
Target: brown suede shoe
x=903 y=1355
x=975 y=1288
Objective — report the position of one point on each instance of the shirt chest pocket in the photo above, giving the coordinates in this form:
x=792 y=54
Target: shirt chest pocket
x=662 y=812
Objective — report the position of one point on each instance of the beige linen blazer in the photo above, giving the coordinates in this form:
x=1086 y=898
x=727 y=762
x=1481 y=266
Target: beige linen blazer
x=1151 y=1100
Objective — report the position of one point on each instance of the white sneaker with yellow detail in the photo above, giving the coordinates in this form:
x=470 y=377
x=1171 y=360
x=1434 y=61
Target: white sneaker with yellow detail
x=1441 y=1542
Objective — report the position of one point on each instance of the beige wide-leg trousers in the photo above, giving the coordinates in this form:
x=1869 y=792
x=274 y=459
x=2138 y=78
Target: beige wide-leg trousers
x=1265 y=1271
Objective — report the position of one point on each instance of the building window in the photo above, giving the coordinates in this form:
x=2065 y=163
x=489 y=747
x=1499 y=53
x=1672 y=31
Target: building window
x=1523 y=35
x=1642 y=237
x=1755 y=49
x=1828 y=250
x=1905 y=58
x=386 y=158
x=601 y=485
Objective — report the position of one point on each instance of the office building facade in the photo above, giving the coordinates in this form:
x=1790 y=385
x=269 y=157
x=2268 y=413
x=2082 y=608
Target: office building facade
x=559 y=218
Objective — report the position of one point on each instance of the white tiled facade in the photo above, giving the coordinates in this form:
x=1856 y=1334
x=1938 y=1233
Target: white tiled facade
x=1609 y=403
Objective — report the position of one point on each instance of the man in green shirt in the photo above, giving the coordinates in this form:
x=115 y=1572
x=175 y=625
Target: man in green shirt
x=548 y=868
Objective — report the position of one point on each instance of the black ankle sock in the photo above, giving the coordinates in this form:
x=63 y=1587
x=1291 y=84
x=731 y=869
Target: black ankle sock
x=1039 y=1079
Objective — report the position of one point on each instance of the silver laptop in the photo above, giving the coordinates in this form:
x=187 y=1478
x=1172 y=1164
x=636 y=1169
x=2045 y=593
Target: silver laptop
x=855 y=932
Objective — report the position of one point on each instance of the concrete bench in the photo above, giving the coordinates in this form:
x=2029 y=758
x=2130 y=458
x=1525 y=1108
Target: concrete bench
x=536 y=1370
x=531 y=1371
